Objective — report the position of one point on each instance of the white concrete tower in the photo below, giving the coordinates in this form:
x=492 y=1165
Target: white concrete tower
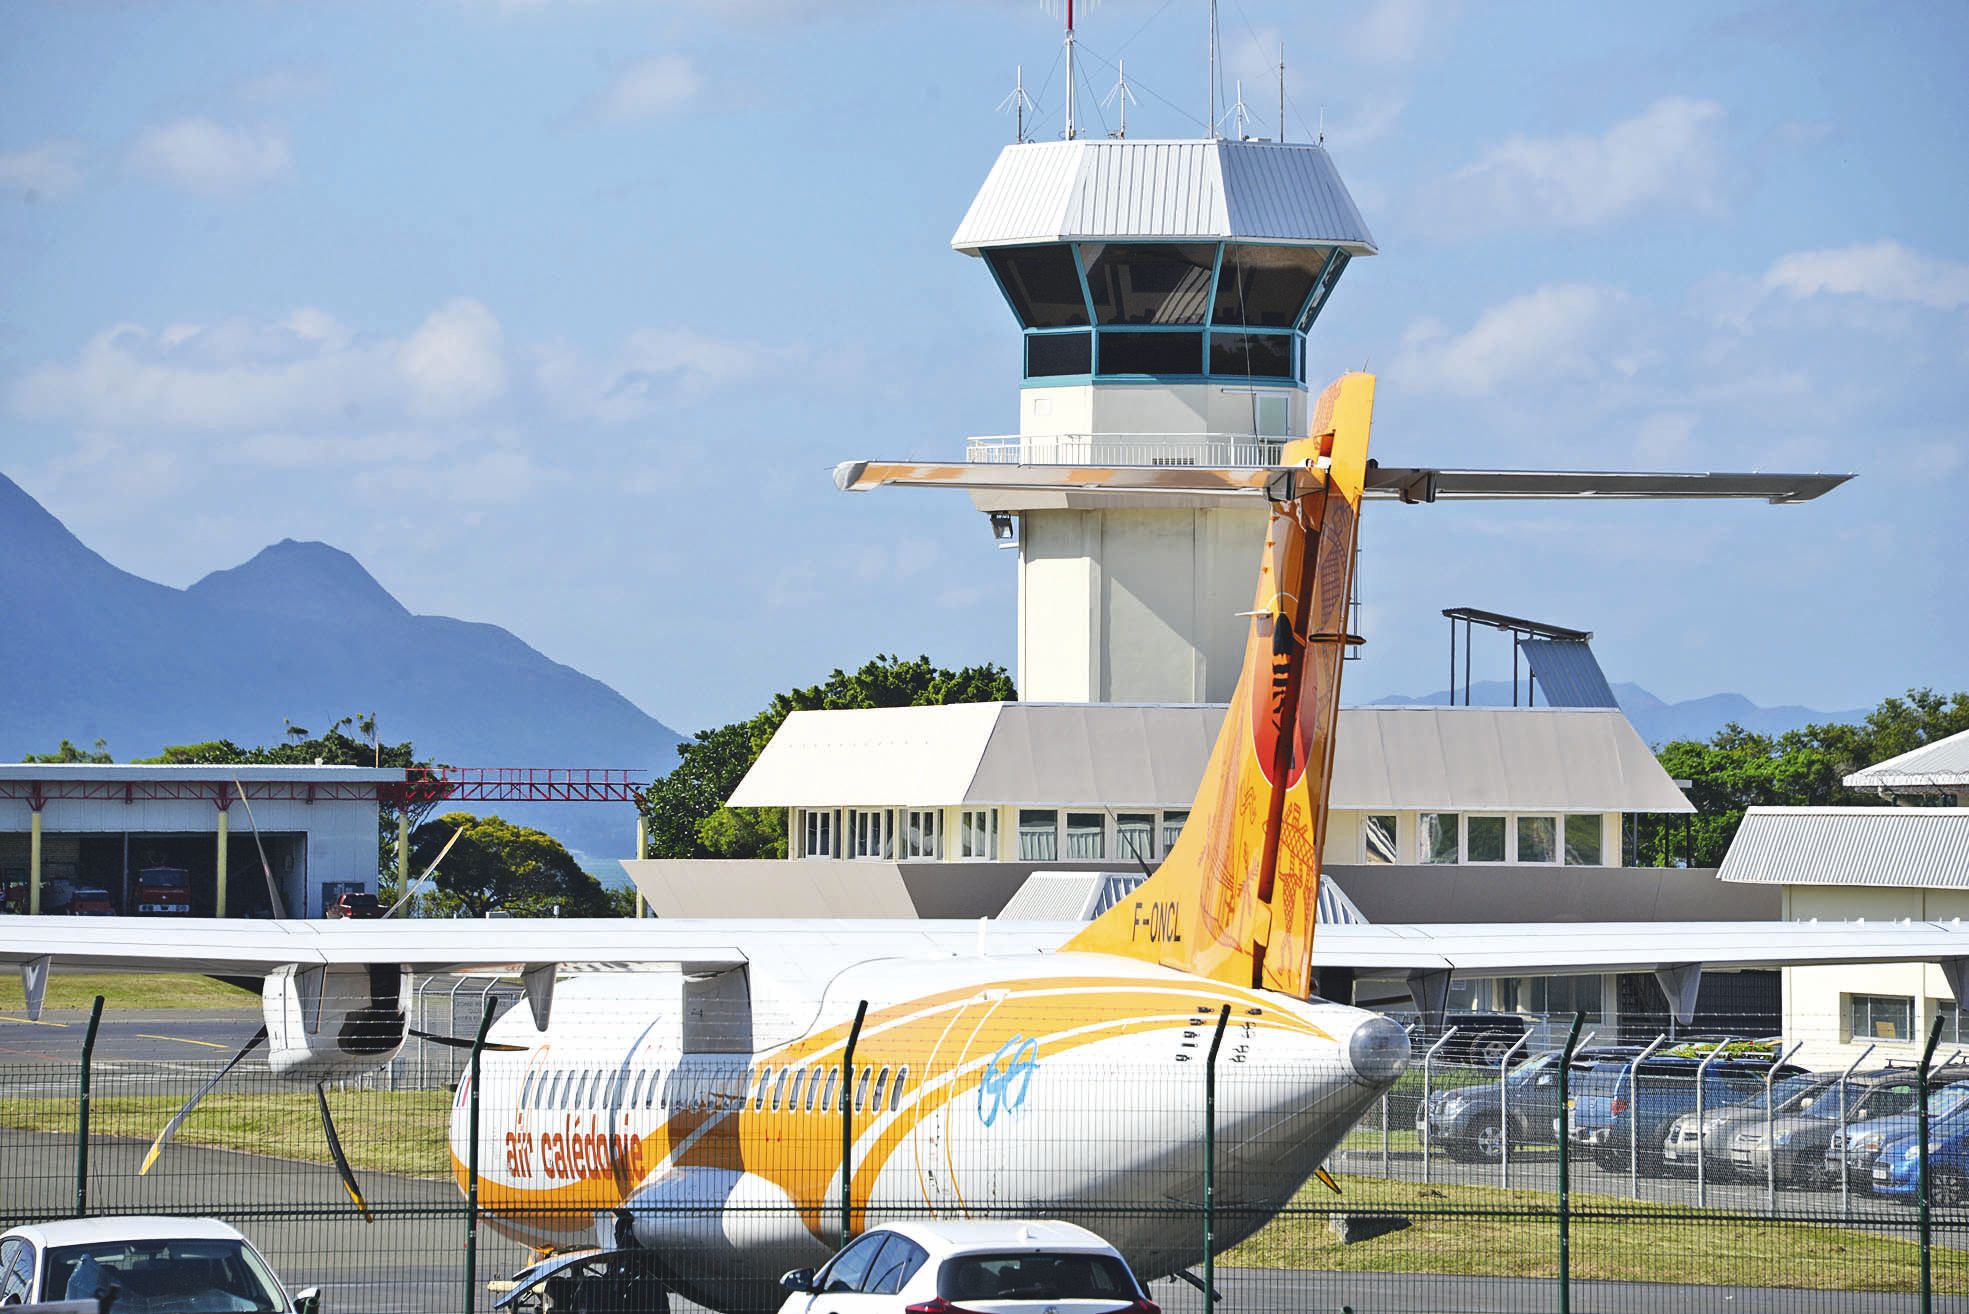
x=1164 y=289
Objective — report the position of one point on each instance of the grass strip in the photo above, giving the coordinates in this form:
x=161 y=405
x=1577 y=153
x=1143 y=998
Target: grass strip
x=401 y=1132
x=129 y=992
x=1668 y=1243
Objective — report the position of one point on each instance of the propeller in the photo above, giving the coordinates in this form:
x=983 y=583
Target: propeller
x=273 y=890
x=1326 y=1180
x=341 y=1160
x=428 y=872
x=459 y=1042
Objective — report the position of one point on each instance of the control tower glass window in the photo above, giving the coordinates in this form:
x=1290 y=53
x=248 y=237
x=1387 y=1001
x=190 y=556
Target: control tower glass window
x=1123 y=352
x=1149 y=283
x=1042 y=283
x=1266 y=286
x=1252 y=355
x=1052 y=354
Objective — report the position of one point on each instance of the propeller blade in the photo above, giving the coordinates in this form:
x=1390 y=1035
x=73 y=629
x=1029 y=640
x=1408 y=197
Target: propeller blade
x=171 y=1127
x=273 y=891
x=341 y=1160
x=1326 y=1180
x=459 y=1042
x=416 y=884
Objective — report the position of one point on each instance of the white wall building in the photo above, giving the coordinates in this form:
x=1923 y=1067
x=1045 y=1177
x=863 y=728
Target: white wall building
x=98 y=826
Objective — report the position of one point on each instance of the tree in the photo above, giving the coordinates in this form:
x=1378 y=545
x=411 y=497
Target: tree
x=336 y=747
x=686 y=809
x=1738 y=769
x=497 y=865
x=68 y=752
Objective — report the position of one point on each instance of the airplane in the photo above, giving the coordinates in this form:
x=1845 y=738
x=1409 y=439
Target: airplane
x=728 y=1099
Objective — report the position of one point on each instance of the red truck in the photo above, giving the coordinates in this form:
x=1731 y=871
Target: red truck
x=163 y=891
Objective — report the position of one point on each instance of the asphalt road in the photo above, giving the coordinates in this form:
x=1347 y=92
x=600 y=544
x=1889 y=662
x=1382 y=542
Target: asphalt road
x=167 y=1036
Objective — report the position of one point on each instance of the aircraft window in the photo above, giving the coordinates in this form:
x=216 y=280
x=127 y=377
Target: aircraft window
x=827 y=1097
x=813 y=1089
x=895 y=1091
x=861 y=1089
x=1086 y=835
x=636 y=1088
x=1378 y=840
x=793 y=1095
x=779 y=1087
x=1435 y=836
x=526 y=1090
x=1039 y=835
x=881 y=1089
x=1538 y=839
x=765 y=1080
x=1173 y=822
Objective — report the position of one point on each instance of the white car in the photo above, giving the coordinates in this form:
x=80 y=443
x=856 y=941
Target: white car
x=970 y=1268
x=160 y=1265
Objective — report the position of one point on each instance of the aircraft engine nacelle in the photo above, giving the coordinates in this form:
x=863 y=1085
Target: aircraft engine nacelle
x=330 y=1023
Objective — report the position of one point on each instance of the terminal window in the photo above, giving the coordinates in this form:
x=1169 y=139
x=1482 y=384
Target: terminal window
x=1173 y=822
x=1435 y=836
x=1583 y=834
x=1485 y=841
x=1134 y=835
x=979 y=834
x=1538 y=839
x=1880 y=1017
x=1378 y=840
x=922 y=835
x=1039 y=834
x=1086 y=835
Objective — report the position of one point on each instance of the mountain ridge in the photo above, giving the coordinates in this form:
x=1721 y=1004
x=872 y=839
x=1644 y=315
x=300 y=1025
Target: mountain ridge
x=300 y=631
x=1655 y=719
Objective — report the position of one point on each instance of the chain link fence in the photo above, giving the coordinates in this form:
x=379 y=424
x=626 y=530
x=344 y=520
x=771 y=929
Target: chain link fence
x=1553 y=1170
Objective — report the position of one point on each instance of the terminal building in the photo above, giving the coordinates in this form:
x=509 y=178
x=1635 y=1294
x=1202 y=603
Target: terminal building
x=92 y=832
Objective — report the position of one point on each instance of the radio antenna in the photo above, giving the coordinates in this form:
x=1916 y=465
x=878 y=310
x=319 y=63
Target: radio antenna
x=1018 y=102
x=1239 y=119
x=1120 y=92
x=1211 y=117
x=1281 y=94
x=1070 y=132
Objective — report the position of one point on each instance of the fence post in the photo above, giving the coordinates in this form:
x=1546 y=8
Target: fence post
x=1428 y=1073
x=848 y=1123
x=1210 y=1160
x=82 y=1113
x=1845 y=1187
x=1565 y=1167
x=472 y=1162
x=1702 y=1077
x=1921 y=1140
x=1504 y=1109
x=1634 y=1116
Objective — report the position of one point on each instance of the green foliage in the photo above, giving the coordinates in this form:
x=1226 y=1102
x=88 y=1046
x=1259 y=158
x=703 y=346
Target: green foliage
x=336 y=747
x=686 y=809
x=498 y=865
x=1737 y=770
x=68 y=752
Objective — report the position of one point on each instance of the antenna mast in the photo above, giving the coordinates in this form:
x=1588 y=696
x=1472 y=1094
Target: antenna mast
x=1120 y=92
x=1018 y=102
x=1211 y=117
x=1281 y=94
x=1070 y=133
x=1239 y=120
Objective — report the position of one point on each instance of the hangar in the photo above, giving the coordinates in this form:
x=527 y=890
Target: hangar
x=86 y=827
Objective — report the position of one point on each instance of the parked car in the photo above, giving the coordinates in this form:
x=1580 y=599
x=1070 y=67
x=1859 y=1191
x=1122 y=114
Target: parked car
x=1720 y=1125
x=356 y=904
x=1854 y=1147
x=1463 y=1121
x=1608 y=1120
x=91 y=901
x=954 y=1267
x=158 y=1263
x=163 y=891
x=1480 y=1037
x=1896 y=1170
x=1804 y=1133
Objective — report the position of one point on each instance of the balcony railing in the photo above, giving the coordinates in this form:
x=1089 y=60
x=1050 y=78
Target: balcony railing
x=1216 y=450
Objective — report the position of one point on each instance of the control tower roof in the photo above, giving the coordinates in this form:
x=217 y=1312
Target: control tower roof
x=1281 y=193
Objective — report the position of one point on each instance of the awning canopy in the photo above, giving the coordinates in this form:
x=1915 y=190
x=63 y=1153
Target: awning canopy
x=1942 y=765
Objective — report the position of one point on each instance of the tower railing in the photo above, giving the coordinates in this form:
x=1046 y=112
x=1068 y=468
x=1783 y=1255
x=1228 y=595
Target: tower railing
x=1217 y=450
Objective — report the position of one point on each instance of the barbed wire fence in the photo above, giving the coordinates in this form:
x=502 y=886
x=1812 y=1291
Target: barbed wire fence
x=1571 y=1170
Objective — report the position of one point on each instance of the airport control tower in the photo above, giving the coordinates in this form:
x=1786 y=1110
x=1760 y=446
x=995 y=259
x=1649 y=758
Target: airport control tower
x=1164 y=290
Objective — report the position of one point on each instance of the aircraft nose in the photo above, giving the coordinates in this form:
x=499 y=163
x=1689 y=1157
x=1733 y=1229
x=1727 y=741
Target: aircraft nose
x=1378 y=1051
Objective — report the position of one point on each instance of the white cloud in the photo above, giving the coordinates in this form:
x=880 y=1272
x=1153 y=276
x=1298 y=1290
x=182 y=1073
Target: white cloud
x=51 y=169
x=304 y=374
x=1553 y=331
x=653 y=368
x=1882 y=271
x=651 y=87
x=1670 y=155
x=202 y=156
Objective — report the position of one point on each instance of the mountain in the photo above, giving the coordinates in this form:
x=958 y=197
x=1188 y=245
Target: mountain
x=301 y=631
x=1656 y=720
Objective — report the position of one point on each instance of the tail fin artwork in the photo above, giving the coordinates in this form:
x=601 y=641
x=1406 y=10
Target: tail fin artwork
x=1235 y=899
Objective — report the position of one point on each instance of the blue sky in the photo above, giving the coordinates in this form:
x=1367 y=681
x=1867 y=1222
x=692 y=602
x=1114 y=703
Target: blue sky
x=557 y=314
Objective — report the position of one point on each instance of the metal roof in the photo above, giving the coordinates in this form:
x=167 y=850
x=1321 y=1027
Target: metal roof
x=1943 y=763
x=1089 y=190
x=1498 y=759
x=1567 y=673
x=1924 y=848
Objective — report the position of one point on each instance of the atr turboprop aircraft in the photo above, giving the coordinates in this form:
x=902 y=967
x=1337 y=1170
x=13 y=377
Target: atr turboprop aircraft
x=689 y=1092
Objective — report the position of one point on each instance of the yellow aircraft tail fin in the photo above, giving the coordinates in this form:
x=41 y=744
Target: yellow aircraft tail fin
x=1235 y=898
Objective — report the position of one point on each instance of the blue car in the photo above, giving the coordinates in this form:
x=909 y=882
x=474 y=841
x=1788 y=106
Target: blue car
x=1897 y=1168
